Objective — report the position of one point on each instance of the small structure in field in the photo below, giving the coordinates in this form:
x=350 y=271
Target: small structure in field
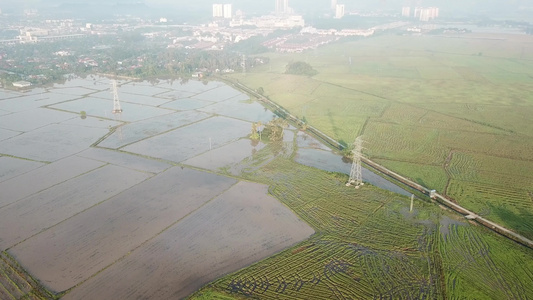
x=21 y=84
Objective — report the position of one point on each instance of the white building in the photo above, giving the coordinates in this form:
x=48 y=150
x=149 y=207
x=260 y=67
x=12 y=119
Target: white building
x=218 y=10
x=427 y=14
x=406 y=11
x=228 y=14
x=21 y=84
x=339 y=11
x=418 y=11
x=333 y=5
x=282 y=6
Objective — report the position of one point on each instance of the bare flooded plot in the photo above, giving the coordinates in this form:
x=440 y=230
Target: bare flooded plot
x=236 y=108
x=143 y=88
x=8 y=94
x=218 y=94
x=78 y=248
x=175 y=95
x=91 y=122
x=141 y=99
x=51 y=142
x=102 y=108
x=93 y=82
x=51 y=206
x=186 y=104
x=11 y=167
x=6 y=134
x=78 y=91
x=134 y=132
x=189 y=141
x=44 y=177
x=225 y=155
x=28 y=102
x=192 y=86
x=238 y=228
x=125 y=160
x=32 y=119
x=132 y=98
x=4 y=112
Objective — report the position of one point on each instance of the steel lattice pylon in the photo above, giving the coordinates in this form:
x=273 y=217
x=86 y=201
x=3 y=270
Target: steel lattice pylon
x=116 y=102
x=356 y=175
x=243 y=63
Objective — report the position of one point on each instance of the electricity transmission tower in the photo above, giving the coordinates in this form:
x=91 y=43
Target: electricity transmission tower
x=356 y=175
x=243 y=63
x=116 y=101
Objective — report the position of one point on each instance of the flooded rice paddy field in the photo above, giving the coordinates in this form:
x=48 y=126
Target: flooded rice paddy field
x=104 y=191
x=136 y=205
x=228 y=233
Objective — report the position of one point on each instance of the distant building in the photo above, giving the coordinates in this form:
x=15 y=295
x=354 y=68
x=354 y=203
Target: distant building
x=339 y=11
x=418 y=10
x=218 y=10
x=228 y=11
x=21 y=84
x=426 y=13
x=333 y=5
x=406 y=12
x=163 y=20
x=282 y=6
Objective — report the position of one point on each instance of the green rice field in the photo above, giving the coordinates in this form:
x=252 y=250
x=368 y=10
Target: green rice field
x=452 y=113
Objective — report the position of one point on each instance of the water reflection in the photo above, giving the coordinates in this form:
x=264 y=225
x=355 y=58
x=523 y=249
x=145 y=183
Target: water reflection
x=313 y=154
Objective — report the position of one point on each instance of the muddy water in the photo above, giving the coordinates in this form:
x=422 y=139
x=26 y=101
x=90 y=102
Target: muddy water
x=226 y=155
x=239 y=227
x=189 y=141
x=312 y=153
x=133 y=132
x=83 y=245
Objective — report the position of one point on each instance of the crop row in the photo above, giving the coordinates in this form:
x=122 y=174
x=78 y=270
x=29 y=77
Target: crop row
x=478 y=266
x=334 y=270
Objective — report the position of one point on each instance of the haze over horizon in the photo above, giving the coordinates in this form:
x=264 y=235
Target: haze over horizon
x=488 y=8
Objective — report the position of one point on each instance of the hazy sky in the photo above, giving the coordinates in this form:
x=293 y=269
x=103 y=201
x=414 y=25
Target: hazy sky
x=492 y=7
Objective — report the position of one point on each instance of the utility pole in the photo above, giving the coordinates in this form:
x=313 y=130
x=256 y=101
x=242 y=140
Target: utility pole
x=243 y=64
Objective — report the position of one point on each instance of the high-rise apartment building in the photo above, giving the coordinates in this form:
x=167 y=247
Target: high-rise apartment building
x=406 y=12
x=333 y=5
x=339 y=11
x=282 y=6
x=228 y=14
x=427 y=14
x=418 y=10
x=218 y=11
